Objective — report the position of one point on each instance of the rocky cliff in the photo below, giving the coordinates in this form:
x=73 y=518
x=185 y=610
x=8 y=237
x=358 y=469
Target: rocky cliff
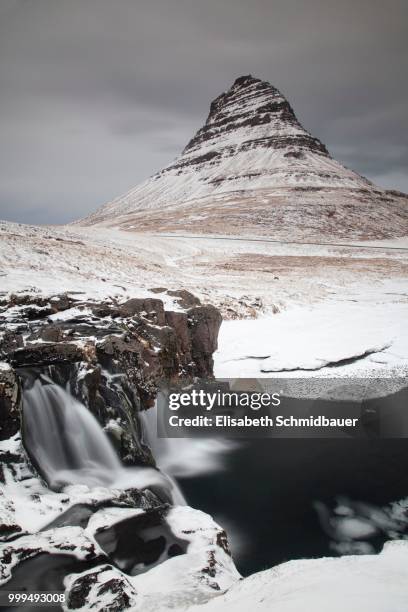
x=111 y=355
x=104 y=547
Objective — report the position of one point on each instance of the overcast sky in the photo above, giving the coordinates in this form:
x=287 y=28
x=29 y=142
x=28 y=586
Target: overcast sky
x=96 y=95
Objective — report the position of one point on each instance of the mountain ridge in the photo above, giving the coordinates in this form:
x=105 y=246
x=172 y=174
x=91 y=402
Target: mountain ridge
x=253 y=167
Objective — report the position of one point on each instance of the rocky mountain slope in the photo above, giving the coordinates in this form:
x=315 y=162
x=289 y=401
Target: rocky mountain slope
x=252 y=169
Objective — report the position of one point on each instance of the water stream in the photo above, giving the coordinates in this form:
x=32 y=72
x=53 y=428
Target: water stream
x=68 y=445
x=262 y=491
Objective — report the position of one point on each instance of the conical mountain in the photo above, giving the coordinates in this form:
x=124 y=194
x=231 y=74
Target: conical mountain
x=253 y=170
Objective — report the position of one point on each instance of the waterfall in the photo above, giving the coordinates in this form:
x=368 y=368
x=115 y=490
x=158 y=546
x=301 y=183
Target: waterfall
x=68 y=445
x=183 y=457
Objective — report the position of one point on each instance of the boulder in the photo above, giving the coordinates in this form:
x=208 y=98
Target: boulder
x=151 y=308
x=185 y=298
x=158 y=289
x=48 y=333
x=105 y=588
x=61 y=302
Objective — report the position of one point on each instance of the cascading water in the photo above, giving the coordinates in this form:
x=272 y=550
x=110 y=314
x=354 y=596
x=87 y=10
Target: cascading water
x=182 y=457
x=68 y=445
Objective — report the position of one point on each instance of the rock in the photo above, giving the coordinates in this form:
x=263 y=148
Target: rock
x=27 y=299
x=166 y=339
x=10 y=402
x=204 y=323
x=104 y=588
x=186 y=299
x=61 y=302
x=173 y=556
x=48 y=333
x=179 y=322
x=46 y=354
x=70 y=541
x=205 y=571
x=10 y=341
x=105 y=310
x=113 y=357
x=141 y=542
x=158 y=289
x=151 y=308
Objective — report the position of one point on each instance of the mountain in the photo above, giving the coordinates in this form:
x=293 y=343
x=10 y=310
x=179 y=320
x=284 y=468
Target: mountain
x=252 y=169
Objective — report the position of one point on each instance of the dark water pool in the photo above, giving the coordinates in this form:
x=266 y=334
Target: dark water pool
x=265 y=495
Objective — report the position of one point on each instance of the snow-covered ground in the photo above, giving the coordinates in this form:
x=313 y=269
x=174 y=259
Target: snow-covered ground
x=368 y=583
x=29 y=509
x=290 y=310
x=287 y=306
x=366 y=328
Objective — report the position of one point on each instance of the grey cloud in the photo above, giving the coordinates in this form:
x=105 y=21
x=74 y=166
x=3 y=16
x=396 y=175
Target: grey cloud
x=96 y=95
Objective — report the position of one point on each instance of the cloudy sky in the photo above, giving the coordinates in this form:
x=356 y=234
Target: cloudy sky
x=96 y=95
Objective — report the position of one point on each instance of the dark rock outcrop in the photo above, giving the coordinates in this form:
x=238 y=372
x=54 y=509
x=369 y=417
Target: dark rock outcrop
x=112 y=356
x=103 y=584
x=10 y=402
x=204 y=323
x=151 y=308
x=46 y=354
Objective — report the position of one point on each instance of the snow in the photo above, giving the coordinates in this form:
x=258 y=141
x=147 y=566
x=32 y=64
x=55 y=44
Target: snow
x=372 y=583
x=70 y=313
x=27 y=502
x=88 y=266
x=332 y=302
x=253 y=169
x=205 y=571
x=107 y=517
x=247 y=168
x=52 y=541
x=313 y=337
x=179 y=581
x=118 y=588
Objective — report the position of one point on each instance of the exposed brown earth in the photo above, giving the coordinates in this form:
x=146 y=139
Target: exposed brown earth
x=273 y=264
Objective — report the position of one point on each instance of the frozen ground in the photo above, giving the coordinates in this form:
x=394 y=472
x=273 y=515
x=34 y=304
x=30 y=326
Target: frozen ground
x=290 y=310
x=368 y=583
x=307 y=307
x=362 y=333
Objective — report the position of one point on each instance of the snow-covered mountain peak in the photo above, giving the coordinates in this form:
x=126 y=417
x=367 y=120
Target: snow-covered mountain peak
x=252 y=114
x=253 y=169
x=250 y=107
